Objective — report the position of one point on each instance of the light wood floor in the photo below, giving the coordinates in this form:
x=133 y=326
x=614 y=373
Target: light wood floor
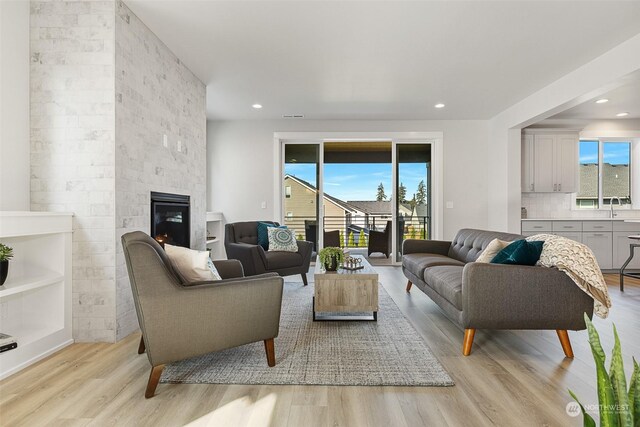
x=511 y=379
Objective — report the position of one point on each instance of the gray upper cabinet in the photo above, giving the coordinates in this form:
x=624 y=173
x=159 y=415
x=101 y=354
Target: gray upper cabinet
x=527 y=164
x=549 y=162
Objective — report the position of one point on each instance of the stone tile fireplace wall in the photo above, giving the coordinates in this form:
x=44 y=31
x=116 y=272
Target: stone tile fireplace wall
x=156 y=95
x=104 y=92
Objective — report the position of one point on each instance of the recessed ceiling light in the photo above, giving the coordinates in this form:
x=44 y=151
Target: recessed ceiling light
x=257 y=106
x=439 y=105
x=622 y=114
x=602 y=101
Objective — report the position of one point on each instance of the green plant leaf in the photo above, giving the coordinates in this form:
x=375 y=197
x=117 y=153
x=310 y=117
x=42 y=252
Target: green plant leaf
x=619 y=383
x=634 y=394
x=587 y=420
x=594 y=338
x=606 y=399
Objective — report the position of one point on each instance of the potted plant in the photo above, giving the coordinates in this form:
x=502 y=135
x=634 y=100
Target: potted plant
x=331 y=257
x=618 y=406
x=6 y=253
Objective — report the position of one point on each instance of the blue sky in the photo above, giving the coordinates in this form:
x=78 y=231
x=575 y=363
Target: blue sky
x=614 y=153
x=360 y=181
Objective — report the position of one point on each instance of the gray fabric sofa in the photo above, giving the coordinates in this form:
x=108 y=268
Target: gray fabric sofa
x=180 y=320
x=493 y=296
x=241 y=243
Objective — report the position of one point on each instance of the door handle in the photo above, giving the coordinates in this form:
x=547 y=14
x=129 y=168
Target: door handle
x=559 y=187
x=531 y=186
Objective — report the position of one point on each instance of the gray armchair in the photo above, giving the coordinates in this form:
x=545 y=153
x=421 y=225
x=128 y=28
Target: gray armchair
x=241 y=243
x=180 y=320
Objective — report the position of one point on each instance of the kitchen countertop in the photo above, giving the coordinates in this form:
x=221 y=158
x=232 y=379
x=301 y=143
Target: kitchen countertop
x=582 y=219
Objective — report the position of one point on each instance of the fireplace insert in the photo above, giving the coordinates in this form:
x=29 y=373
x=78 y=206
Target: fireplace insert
x=170 y=215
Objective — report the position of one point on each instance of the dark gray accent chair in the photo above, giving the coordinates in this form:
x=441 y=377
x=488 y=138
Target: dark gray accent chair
x=180 y=320
x=241 y=243
x=380 y=241
x=493 y=296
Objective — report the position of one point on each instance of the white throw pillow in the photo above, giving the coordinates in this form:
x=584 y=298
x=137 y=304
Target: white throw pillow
x=492 y=250
x=282 y=239
x=193 y=265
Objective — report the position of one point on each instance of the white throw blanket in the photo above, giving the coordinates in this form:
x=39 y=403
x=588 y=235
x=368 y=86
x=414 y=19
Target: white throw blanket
x=578 y=262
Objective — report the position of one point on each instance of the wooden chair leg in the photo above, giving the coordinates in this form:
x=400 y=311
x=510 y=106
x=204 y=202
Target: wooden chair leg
x=271 y=352
x=154 y=378
x=409 y=284
x=304 y=279
x=566 y=344
x=468 y=341
x=141 y=347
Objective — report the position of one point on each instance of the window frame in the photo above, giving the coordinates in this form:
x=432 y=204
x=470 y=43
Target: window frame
x=601 y=141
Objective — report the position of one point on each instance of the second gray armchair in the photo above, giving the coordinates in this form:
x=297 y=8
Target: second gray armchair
x=241 y=243
x=180 y=320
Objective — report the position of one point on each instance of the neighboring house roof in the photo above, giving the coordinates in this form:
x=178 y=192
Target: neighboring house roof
x=384 y=207
x=342 y=204
x=372 y=206
x=615 y=181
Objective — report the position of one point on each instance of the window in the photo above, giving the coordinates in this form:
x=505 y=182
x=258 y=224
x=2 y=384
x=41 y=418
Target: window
x=287 y=191
x=604 y=173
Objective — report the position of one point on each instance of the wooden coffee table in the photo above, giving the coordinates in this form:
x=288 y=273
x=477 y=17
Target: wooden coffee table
x=345 y=291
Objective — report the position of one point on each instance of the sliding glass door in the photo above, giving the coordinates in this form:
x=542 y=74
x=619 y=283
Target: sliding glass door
x=413 y=193
x=300 y=190
x=364 y=196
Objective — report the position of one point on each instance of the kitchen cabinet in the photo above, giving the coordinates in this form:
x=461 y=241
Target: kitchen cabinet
x=527 y=164
x=601 y=244
x=607 y=239
x=549 y=162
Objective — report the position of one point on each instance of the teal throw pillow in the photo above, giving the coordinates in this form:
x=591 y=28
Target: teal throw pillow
x=263 y=234
x=519 y=252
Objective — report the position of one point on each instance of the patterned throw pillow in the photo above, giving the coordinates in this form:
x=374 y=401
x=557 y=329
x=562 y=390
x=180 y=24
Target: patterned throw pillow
x=263 y=235
x=282 y=239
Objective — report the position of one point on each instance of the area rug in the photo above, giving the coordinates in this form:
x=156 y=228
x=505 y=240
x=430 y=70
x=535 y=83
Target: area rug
x=389 y=352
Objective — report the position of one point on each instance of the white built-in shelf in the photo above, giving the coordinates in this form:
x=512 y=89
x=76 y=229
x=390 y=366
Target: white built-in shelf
x=27 y=279
x=214 y=228
x=35 y=301
x=214 y=216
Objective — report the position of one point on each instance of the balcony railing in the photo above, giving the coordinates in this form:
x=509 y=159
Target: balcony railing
x=353 y=230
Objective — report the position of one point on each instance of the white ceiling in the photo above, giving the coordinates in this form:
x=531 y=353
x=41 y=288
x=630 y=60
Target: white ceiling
x=382 y=60
x=626 y=98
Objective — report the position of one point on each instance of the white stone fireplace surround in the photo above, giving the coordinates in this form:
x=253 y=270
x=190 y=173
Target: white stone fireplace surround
x=114 y=116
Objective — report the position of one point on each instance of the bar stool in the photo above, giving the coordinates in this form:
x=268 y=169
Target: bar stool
x=632 y=247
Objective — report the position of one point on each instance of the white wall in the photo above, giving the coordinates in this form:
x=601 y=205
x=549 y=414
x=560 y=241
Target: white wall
x=240 y=163
x=14 y=105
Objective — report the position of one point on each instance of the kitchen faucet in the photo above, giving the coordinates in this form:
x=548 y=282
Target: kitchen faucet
x=613 y=215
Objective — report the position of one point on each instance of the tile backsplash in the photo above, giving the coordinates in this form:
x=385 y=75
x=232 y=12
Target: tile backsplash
x=559 y=205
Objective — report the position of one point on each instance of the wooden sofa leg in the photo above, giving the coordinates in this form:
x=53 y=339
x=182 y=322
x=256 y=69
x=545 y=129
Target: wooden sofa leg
x=468 y=341
x=409 y=284
x=566 y=344
x=141 y=347
x=154 y=378
x=271 y=352
x=304 y=279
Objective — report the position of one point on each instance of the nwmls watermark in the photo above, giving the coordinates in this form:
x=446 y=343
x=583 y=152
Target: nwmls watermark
x=573 y=409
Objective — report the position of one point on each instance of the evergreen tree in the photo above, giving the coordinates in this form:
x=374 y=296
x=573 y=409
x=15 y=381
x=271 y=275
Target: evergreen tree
x=402 y=193
x=421 y=194
x=362 y=240
x=351 y=243
x=381 y=196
